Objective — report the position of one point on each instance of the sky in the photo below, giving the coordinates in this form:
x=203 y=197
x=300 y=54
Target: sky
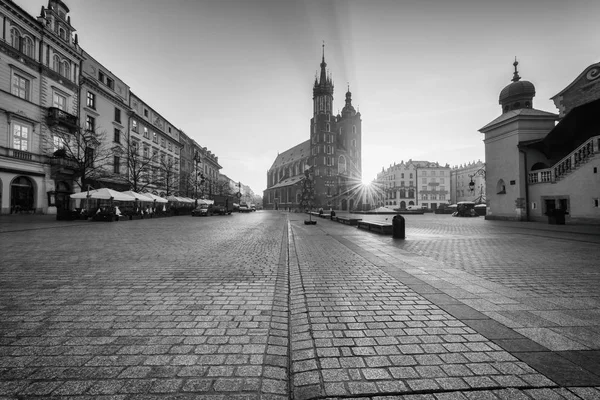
x=237 y=75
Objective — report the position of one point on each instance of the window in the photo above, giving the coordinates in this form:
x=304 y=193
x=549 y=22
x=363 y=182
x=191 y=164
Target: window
x=110 y=83
x=56 y=63
x=410 y=177
x=59 y=101
x=134 y=125
x=135 y=146
x=154 y=137
x=117 y=137
x=353 y=128
x=90 y=123
x=20 y=136
x=424 y=173
x=442 y=180
x=146 y=135
x=146 y=152
x=327 y=127
x=62 y=33
x=169 y=129
x=15 y=38
x=101 y=76
x=117 y=115
x=402 y=175
x=27 y=46
x=65 y=69
x=91 y=100
x=170 y=146
x=145 y=113
x=20 y=86
x=57 y=143
x=162 y=142
x=596 y=203
x=116 y=165
x=89 y=156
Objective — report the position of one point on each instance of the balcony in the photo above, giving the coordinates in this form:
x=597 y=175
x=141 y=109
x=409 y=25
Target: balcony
x=56 y=116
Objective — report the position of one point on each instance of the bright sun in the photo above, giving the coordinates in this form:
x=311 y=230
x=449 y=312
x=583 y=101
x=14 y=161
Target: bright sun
x=366 y=182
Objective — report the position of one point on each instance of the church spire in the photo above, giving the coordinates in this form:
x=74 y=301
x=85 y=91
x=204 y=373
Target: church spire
x=323 y=79
x=516 y=76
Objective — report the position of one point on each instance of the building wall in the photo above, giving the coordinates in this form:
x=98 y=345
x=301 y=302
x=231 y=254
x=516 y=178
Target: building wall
x=579 y=188
x=24 y=108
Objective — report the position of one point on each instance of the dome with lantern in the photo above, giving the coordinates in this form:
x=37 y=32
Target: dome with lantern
x=519 y=94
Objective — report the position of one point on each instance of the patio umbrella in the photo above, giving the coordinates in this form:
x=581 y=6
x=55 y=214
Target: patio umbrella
x=138 y=196
x=155 y=197
x=103 y=194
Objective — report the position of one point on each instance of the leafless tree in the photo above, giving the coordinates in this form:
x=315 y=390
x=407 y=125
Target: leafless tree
x=85 y=151
x=168 y=177
x=139 y=168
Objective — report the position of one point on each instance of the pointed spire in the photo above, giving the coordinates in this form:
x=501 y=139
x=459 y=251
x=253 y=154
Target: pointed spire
x=43 y=13
x=323 y=79
x=516 y=76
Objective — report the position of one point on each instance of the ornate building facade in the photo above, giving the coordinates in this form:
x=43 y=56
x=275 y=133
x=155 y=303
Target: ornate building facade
x=332 y=153
x=411 y=183
x=39 y=75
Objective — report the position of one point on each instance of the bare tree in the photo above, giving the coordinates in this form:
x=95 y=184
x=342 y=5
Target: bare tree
x=86 y=152
x=168 y=177
x=139 y=168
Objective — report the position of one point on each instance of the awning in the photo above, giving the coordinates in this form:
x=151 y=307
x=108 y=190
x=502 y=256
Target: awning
x=103 y=194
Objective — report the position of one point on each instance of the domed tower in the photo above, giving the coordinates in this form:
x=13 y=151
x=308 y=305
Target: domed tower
x=519 y=94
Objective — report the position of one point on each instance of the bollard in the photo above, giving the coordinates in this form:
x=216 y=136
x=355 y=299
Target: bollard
x=398 y=227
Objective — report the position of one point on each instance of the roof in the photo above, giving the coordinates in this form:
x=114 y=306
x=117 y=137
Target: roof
x=293 y=154
x=532 y=112
x=516 y=90
x=288 y=182
x=591 y=72
x=579 y=125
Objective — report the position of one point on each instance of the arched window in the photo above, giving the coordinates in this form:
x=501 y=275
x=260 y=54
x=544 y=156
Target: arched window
x=27 y=46
x=15 y=38
x=66 y=69
x=56 y=63
x=21 y=194
x=353 y=128
x=341 y=165
x=500 y=187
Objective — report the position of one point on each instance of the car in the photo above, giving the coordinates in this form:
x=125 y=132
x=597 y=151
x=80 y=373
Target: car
x=203 y=210
x=252 y=207
x=244 y=208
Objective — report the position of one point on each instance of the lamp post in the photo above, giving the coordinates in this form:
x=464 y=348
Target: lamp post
x=480 y=171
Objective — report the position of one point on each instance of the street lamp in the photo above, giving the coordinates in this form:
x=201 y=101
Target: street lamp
x=480 y=171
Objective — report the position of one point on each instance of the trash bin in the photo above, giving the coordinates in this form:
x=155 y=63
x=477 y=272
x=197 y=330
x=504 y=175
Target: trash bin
x=398 y=227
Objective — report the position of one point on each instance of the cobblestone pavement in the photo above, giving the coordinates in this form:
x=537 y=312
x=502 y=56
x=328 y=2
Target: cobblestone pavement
x=262 y=306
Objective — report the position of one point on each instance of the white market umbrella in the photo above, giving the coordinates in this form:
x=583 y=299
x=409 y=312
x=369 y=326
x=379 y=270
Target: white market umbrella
x=155 y=197
x=138 y=196
x=103 y=194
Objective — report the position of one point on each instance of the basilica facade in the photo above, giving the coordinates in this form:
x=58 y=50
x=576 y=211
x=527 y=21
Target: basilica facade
x=330 y=158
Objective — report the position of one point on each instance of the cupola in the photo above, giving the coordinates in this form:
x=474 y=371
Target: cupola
x=519 y=94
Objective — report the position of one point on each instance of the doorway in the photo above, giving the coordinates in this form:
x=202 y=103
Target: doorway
x=21 y=195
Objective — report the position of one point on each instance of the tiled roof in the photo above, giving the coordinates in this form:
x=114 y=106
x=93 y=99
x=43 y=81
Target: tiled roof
x=288 y=182
x=296 y=153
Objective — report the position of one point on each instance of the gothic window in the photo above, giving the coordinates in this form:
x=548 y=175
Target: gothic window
x=500 y=187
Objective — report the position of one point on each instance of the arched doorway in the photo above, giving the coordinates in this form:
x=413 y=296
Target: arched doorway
x=345 y=205
x=21 y=195
x=403 y=204
x=63 y=192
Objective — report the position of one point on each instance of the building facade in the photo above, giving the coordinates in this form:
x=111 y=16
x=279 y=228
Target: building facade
x=461 y=188
x=104 y=117
x=154 y=141
x=534 y=167
x=411 y=183
x=39 y=98
x=332 y=153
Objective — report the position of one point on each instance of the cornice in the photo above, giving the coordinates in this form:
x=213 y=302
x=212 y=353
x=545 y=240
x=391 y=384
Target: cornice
x=97 y=87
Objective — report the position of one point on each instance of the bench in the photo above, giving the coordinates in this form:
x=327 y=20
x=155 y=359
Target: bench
x=380 y=227
x=348 y=220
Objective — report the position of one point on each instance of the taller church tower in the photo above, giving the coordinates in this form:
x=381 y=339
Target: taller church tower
x=335 y=146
